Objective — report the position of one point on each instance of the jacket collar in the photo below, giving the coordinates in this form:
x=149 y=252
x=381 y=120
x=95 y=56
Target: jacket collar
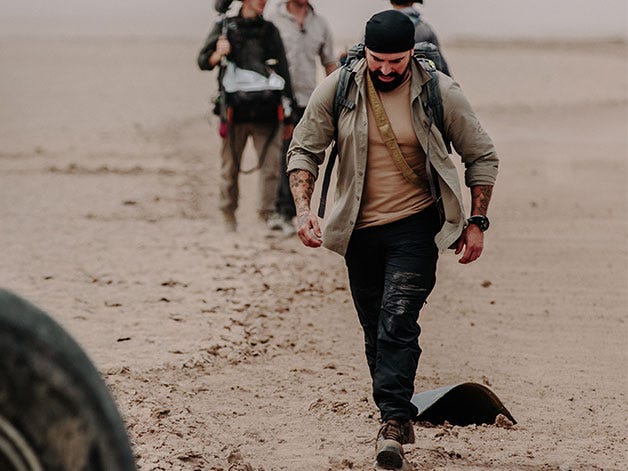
x=419 y=78
x=360 y=70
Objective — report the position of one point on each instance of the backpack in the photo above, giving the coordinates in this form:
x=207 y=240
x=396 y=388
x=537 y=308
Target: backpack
x=248 y=96
x=252 y=97
x=428 y=57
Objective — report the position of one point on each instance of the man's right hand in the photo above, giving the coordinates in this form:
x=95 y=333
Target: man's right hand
x=308 y=229
x=223 y=46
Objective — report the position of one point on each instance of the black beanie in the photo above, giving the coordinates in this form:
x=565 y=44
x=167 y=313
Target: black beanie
x=389 y=31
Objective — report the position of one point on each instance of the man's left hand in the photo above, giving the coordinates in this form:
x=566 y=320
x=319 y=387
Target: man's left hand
x=472 y=241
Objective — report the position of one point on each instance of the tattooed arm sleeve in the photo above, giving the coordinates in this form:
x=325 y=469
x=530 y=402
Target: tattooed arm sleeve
x=480 y=198
x=302 y=187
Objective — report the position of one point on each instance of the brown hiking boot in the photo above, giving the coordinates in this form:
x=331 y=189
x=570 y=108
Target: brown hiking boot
x=390 y=438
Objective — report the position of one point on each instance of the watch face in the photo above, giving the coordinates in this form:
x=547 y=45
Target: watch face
x=480 y=221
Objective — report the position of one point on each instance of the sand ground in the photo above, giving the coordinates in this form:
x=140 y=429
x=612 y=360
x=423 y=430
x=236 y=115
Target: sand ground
x=243 y=353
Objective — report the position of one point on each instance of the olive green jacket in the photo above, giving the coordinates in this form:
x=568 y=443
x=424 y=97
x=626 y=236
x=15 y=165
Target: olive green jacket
x=315 y=132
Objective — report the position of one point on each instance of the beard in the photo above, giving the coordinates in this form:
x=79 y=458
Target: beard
x=388 y=86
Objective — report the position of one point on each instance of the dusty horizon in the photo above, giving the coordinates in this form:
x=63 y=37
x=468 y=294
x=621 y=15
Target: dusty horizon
x=453 y=19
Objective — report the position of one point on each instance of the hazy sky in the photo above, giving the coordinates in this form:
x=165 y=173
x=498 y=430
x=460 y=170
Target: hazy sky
x=451 y=18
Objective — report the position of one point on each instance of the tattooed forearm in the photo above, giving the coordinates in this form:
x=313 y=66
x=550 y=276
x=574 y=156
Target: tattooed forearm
x=480 y=198
x=302 y=186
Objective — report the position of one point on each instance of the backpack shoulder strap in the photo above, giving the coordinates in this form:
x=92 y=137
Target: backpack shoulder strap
x=344 y=81
x=341 y=100
x=433 y=106
x=342 y=91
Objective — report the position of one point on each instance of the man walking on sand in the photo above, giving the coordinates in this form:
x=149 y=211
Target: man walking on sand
x=252 y=47
x=386 y=223
x=307 y=37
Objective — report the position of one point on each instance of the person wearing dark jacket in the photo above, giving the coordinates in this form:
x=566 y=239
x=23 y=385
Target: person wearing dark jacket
x=423 y=32
x=251 y=44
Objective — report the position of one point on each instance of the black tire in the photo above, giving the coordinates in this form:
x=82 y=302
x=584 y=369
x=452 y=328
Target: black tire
x=56 y=413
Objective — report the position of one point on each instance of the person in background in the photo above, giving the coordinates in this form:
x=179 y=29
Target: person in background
x=423 y=32
x=307 y=39
x=386 y=222
x=253 y=44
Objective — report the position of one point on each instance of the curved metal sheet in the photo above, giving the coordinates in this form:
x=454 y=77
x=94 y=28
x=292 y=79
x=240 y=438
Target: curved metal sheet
x=460 y=404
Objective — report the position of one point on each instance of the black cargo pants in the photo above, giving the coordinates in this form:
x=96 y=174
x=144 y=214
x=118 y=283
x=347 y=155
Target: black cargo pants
x=392 y=270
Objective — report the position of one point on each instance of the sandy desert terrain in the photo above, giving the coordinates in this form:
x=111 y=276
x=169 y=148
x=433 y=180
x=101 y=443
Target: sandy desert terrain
x=243 y=353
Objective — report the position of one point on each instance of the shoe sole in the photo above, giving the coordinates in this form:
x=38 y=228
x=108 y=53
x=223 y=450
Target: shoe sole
x=55 y=410
x=390 y=456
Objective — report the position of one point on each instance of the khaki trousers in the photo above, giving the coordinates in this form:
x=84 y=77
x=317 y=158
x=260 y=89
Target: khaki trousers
x=231 y=154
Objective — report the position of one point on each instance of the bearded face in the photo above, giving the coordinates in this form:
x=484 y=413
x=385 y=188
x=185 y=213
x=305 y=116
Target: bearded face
x=388 y=71
x=386 y=83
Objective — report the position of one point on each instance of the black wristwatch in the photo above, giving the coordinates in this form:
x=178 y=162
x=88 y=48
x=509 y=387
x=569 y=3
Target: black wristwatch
x=480 y=221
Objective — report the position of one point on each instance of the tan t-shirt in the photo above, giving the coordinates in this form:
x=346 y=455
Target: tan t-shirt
x=387 y=196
